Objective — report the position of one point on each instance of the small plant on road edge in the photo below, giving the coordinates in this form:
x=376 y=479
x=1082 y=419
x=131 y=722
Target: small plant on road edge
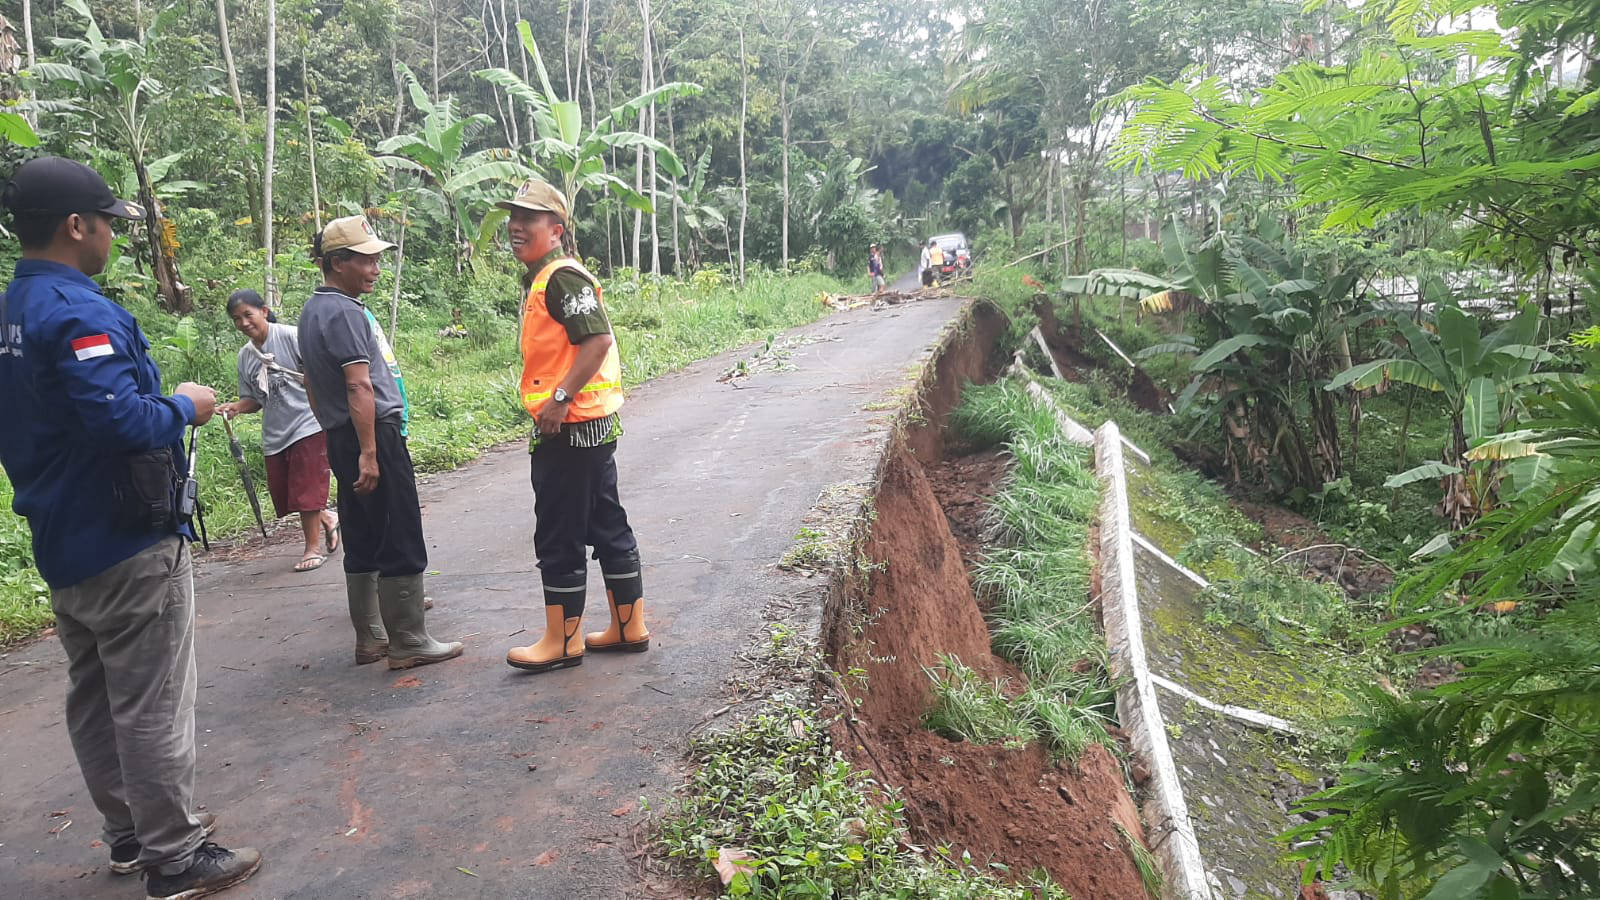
x=774 y=811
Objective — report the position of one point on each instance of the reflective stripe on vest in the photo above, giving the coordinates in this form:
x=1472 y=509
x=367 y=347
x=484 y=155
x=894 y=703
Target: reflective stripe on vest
x=548 y=355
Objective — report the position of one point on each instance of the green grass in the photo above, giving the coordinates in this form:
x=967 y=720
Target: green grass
x=24 y=599
x=966 y=707
x=810 y=824
x=1037 y=574
x=462 y=390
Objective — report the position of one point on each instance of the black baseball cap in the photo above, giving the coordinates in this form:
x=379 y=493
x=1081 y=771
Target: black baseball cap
x=51 y=185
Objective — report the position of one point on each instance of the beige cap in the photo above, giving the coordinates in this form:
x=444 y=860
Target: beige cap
x=353 y=233
x=538 y=196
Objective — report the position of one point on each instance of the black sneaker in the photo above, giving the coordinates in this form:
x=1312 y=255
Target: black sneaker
x=125 y=855
x=214 y=869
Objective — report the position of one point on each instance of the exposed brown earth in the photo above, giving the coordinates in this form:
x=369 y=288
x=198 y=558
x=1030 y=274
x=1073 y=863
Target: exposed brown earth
x=1010 y=806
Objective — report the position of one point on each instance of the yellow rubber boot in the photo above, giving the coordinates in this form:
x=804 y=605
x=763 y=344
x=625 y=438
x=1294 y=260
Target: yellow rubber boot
x=560 y=647
x=627 y=633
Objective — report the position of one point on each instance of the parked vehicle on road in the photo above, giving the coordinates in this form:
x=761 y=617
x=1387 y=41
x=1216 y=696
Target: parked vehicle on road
x=957 y=255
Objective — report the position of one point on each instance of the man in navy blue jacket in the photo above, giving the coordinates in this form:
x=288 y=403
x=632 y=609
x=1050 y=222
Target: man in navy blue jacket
x=94 y=452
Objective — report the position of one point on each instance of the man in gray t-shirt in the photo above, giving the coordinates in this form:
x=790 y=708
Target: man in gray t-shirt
x=356 y=391
x=337 y=331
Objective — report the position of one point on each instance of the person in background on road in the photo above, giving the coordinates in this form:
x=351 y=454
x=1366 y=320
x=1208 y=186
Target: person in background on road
x=295 y=448
x=358 y=396
x=875 y=268
x=94 y=451
x=572 y=386
x=932 y=259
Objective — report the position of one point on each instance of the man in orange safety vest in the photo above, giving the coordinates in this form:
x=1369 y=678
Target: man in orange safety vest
x=572 y=387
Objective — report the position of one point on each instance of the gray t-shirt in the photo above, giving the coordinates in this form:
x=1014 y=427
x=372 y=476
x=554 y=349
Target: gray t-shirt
x=285 y=413
x=337 y=330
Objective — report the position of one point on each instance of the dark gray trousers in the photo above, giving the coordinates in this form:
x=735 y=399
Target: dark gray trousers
x=129 y=637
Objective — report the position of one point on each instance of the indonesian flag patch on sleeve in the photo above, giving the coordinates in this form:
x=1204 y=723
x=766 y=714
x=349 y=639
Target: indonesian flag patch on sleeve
x=92 y=346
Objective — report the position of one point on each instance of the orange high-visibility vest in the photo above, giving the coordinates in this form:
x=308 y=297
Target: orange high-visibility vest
x=548 y=354
x=935 y=255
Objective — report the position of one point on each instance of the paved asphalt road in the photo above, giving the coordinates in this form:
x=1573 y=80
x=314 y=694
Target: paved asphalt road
x=362 y=783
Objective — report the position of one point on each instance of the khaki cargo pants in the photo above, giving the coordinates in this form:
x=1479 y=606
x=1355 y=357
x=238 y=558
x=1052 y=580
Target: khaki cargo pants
x=129 y=637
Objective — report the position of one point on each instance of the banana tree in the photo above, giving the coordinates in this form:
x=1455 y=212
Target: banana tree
x=573 y=156
x=693 y=202
x=14 y=128
x=1273 y=328
x=437 y=155
x=1487 y=782
x=112 y=85
x=1471 y=373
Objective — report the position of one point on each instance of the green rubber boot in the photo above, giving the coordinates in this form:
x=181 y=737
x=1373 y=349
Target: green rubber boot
x=400 y=600
x=372 y=641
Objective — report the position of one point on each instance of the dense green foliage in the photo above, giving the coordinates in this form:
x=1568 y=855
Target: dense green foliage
x=1455 y=143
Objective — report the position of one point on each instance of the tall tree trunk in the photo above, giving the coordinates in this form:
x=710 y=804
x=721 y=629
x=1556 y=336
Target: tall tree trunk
x=1061 y=189
x=399 y=83
x=677 y=235
x=584 y=75
x=503 y=107
x=252 y=177
x=744 y=175
x=566 y=51
x=227 y=58
x=655 y=202
x=638 y=155
x=572 y=90
x=505 y=59
x=175 y=295
x=433 y=9
x=783 y=115
x=586 y=80
x=311 y=135
x=1080 y=240
x=1052 y=177
x=271 y=283
x=27 y=37
x=649 y=67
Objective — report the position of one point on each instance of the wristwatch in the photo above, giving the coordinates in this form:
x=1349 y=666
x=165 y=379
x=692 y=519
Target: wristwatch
x=561 y=396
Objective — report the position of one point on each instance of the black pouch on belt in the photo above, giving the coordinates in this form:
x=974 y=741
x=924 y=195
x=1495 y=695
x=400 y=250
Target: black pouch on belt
x=148 y=498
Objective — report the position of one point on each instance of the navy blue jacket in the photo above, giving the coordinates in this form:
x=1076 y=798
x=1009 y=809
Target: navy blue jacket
x=79 y=393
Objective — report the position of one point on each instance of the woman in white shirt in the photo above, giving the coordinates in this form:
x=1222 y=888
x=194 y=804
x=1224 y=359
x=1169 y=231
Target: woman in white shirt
x=295 y=448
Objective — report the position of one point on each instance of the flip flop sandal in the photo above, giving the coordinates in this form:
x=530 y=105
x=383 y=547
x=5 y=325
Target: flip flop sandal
x=316 y=560
x=331 y=538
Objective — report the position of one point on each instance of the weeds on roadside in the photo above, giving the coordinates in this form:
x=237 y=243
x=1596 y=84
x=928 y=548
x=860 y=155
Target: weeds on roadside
x=1037 y=572
x=1149 y=867
x=804 y=823
x=968 y=707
